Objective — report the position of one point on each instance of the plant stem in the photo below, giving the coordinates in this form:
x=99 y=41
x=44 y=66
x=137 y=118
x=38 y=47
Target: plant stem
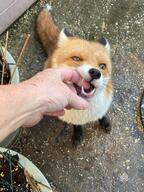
x=4 y=56
x=20 y=56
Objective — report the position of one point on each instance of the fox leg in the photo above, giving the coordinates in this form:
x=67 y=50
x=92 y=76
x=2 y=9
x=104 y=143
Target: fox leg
x=62 y=133
x=77 y=135
x=105 y=124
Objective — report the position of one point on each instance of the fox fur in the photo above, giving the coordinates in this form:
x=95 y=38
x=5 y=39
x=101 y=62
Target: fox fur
x=61 y=48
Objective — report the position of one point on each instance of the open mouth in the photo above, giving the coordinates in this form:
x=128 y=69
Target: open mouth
x=83 y=92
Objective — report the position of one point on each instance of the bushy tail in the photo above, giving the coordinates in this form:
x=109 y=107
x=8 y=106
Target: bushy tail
x=47 y=31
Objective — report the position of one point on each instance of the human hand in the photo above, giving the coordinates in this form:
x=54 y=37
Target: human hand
x=47 y=93
x=54 y=94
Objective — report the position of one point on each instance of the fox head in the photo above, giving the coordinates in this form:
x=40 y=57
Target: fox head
x=90 y=59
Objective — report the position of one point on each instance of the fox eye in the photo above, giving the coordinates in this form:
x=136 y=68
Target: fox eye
x=76 y=58
x=102 y=65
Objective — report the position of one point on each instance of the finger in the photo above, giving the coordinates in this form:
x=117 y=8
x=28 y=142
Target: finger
x=68 y=107
x=56 y=114
x=72 y=88
x=73 y=76
x=77 y=102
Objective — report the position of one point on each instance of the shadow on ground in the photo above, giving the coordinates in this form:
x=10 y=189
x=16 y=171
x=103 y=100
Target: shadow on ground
x=103 y=163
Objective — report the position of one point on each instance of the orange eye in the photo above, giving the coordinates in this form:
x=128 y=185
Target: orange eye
x=76 y=58
x=102 y=66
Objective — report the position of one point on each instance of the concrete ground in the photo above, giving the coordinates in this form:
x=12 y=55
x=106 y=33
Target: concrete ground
x=103 y=163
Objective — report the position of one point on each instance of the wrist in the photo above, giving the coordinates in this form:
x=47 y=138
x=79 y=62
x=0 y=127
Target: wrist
x=18 y=102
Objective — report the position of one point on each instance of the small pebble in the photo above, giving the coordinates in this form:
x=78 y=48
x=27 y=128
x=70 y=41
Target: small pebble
x=124 y=177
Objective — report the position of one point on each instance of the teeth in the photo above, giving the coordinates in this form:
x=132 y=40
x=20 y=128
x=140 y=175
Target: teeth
x=80 y=83
x=87 y=94
x=83 y=90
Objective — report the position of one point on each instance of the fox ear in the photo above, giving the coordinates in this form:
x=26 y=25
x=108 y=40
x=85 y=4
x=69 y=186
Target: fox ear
x=105 y=43
x=63 y=36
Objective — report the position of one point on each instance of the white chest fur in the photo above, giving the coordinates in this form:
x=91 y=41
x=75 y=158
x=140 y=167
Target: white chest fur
x=98 y=107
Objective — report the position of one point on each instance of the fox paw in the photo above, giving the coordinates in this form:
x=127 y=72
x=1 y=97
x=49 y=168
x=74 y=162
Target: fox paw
x=105 y=124
x=77 y=136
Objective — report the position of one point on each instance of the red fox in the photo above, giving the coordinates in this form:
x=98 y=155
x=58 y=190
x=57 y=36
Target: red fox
x=91 y=60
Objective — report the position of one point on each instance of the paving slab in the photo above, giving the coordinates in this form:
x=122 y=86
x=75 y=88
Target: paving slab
x=10 y=10
x=103 y=163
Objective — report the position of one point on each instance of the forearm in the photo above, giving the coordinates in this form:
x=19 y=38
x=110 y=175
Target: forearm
x=45 y=93
x=17 y=103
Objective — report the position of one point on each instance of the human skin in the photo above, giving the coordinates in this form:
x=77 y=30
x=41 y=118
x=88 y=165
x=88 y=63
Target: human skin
x=47 y=93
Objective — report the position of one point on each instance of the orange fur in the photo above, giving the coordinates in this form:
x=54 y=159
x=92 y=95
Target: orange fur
x=61 y=50
x=47 y=31
x=90 y=52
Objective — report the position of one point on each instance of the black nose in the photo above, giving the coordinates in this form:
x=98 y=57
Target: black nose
x=94 y=73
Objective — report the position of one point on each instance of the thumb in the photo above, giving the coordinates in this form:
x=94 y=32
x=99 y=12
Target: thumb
x=77 y=102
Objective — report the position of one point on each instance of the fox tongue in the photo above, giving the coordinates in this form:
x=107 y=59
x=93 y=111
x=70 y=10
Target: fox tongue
x=84 y=83
x=85 y=89
x=88 y=92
